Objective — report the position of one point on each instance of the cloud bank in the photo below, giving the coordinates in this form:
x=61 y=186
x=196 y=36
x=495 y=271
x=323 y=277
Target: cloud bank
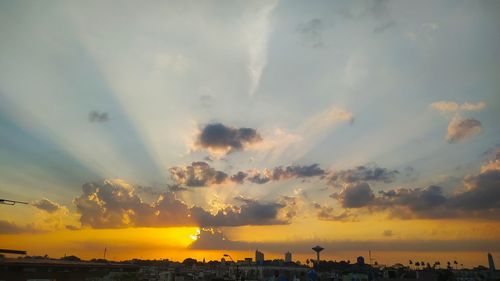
x=115 y=204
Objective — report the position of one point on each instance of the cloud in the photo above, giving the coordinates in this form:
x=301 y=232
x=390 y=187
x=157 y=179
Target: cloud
x=221 y=139
x=460 y=129
x=257 y=33
x=202 y=174
x=214 y=239
x=480 y=198
x=387 y=233
x=285 y=173
x=363 y=174
x=239 y=177
x=249 y=213
x=197 y=174
x=46 y=205
x=355 y=195
x=311 y=32
x=7 y=227
x=115 y=204
x=98 y=117
x=450 y=106
x=328 y=214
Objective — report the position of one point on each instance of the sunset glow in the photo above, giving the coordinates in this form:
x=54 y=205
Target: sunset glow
x=176 y=129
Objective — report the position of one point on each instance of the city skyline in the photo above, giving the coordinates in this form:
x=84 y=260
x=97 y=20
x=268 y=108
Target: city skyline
x=188 y=129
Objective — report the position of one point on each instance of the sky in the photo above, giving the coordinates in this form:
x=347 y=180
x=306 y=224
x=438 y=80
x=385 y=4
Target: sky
x=174 y=129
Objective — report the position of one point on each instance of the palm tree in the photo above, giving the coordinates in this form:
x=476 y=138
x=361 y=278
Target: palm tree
x=417 y=265
x=449 y=265
x=456 y=264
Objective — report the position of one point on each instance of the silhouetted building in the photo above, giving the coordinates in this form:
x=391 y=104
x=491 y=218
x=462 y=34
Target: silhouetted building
x=360 y=260
x=491 y=263
x=288 y=257
x=259 y=257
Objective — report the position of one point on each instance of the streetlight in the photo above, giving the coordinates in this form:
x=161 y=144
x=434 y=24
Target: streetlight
x=237 y=271
x=11 y=203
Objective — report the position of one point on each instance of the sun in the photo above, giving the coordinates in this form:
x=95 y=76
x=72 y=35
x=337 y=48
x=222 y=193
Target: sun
x=195 y=236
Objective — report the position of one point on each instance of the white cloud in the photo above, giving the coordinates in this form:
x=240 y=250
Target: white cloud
x=450 y=106
x=257 y=36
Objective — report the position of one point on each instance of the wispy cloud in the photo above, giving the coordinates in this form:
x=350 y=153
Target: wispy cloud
x=257 y=35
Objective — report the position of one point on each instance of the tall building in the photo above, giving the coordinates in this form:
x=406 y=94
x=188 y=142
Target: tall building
x=491 y=263
x=288 y=257
x=259 y=257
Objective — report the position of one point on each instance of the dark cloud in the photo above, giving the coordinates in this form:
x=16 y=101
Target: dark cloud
x=98 y=117
x=115 y=204
x=484 y=194
x=460 y=129
x=213 y=239
x=355 y=195
x=297 y=172
x=251 y=212
x=328 y=213
x=285 y=173
x=363 y=174
x=481 y=199
x=259 y=178
x=219 y=137
x=7 y=227
x=46 y=205
x=239 y=177
x=197 y=174
x=202 y=174
x=311 y=32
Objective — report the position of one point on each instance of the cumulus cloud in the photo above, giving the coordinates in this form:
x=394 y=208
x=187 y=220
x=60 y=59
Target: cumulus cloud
x=46 y=205
x=222 y=139
x=363 y=174
x=249 y=213
x=202 y=174
x=197 y=174
x=450 y=106
x=285 y=173
x=115 y=204
x=479 y=199
x=355 y=195
x=460 y=129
